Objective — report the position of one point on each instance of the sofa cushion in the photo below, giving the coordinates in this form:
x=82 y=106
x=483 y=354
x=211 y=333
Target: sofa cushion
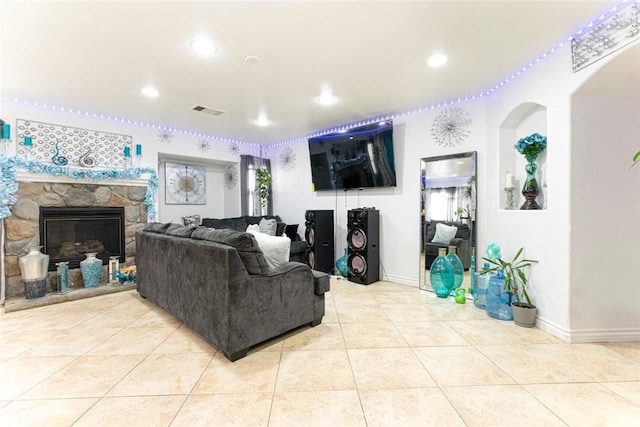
x=181 y=231
x=291 y=230
x=268 y=226
x=256 y=219
x=444 y=233
x=274 y=248
x=238 y=223
x=280 y=226
x=246 y=245
x=157 y=227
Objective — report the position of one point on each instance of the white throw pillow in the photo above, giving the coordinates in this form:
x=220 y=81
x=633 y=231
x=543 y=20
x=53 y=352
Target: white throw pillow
x=444 y=233
x=276 y=249
x=253 y=227
x=268 y=226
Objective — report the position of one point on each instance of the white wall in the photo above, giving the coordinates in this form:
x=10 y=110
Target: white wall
x=605 y=231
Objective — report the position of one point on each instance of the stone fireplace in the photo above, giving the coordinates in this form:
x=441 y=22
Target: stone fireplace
x=23 y=227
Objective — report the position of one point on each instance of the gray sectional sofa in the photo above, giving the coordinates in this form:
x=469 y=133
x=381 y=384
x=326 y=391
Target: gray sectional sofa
x=217 y=282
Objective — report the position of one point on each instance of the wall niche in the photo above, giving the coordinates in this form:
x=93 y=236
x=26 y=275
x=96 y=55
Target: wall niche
x=522 y=121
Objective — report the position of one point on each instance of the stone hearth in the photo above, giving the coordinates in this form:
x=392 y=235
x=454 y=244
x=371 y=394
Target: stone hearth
x=21 y=228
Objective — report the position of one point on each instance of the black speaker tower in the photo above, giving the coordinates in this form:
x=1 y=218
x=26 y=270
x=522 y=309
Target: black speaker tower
x=319 y=236
x=363 y=235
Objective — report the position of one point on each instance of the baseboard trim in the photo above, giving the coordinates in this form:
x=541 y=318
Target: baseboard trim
x=400 y=280
x=588 y=335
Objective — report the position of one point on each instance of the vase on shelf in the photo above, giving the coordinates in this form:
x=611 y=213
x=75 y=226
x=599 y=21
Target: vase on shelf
x=530 y=190
x=33 y=267
x=341 y=264
x=441 y=275
x=91 y=267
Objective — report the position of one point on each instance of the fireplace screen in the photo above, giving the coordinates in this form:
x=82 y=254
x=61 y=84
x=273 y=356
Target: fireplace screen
x=67 y=233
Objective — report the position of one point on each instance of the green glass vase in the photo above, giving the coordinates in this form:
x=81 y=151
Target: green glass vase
x=530 y=190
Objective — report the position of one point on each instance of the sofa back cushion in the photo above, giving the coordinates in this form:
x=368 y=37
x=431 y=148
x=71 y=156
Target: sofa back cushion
x=157 y=227
x=237 y=223
x=181 y=230
x=464 y=232
x=246 y=245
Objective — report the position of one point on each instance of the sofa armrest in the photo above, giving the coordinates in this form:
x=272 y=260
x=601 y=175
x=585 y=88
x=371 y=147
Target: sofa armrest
x=284 y=269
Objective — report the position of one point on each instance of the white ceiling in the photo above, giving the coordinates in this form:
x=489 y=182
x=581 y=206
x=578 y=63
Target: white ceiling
x=96 y=56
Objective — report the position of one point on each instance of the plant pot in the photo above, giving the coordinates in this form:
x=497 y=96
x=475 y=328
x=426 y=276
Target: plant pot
x=524 y=314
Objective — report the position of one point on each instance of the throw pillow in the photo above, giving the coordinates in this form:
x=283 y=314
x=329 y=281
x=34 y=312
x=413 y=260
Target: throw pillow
x=253 y=227
x=291 y=230
x=275 y=248
x=444 y=233
x=280 y=226
x=268 y=226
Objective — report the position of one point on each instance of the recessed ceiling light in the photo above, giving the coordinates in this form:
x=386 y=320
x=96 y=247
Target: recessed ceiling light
x=150 y=92
x=326 y=98
x=262 y=120
x=203 y=46
x=437 y=60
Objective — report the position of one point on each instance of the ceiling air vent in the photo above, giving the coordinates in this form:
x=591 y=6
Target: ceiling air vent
x=208 y=110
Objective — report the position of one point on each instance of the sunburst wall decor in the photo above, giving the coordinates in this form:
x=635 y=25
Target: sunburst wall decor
x=230 y=177
x=287 y=159
x=165 y=136
x=204 y=145
x=234 y=148
x=450 y=127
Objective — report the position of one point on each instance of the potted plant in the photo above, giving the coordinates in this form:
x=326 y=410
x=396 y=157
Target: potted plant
x=263 y=181
x=515 y=282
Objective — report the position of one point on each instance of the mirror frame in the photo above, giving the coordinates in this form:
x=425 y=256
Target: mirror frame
x=423 y=281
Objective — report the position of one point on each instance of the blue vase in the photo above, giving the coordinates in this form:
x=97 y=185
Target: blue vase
x=441 y=275
x=341 y=264
x=91 y=267
x=458 y=269
x=498 y=299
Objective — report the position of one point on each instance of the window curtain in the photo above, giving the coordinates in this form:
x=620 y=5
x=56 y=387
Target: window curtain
x=444 y=202
x=249 y=197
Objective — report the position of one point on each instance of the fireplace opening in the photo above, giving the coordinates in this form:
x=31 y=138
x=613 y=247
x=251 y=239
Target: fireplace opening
x=67 y=233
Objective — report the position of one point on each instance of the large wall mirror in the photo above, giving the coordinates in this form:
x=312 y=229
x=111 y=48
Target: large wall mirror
x=447 y=197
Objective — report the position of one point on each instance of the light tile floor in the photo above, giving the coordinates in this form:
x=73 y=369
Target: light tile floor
x=385 y=355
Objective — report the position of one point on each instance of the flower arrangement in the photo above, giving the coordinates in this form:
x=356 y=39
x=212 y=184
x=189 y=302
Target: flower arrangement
x=531 y=146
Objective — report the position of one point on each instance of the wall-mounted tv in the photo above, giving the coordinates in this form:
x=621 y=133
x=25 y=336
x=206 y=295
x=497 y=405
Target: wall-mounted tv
x=361 y=157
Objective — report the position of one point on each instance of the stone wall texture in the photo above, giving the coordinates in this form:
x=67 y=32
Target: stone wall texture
x=22 y=228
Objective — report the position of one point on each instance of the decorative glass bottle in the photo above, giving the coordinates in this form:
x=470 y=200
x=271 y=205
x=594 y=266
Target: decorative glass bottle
x=498 y=299
x=33 y=267
x=480 y=291
x=341 y=264
x=441 y=274
x=63 y=277
x=114 y=269
x=91 y=267
x=458 y=269
x=530 y=190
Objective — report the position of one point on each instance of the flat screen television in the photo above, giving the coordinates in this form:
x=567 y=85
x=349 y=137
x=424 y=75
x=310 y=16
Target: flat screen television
x=361 y=157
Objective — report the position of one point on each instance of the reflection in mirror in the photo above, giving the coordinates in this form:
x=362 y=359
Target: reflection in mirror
x=447 y=197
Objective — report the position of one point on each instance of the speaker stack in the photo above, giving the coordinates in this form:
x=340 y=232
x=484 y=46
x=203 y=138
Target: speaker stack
x=319 y=236
x=363 y=235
